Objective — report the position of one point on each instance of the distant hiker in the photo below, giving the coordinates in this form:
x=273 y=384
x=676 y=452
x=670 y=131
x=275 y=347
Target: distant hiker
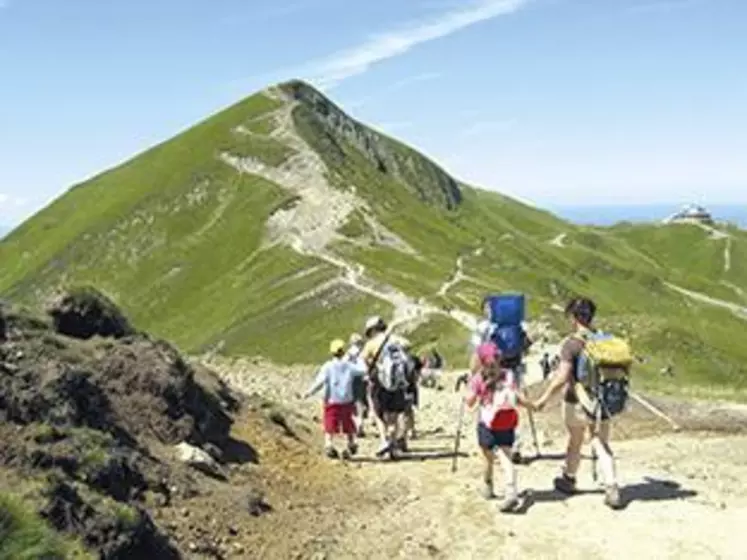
x=592 y=371
x=388 y=364
x=495 y=389
x=545 y=365
x=360 y=390
x=337 y=377
x=431 y=372
x=503 y=325
x=412 y=392
x=438 y=361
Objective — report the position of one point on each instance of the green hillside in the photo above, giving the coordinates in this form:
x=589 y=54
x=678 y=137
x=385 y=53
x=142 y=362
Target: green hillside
x=282 y=221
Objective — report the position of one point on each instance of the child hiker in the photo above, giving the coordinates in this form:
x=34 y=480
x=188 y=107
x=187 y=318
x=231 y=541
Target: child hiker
x=337 y=377
x=496 y=392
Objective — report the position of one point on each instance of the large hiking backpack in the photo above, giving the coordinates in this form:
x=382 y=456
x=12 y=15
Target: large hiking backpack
x=506 y=317
x=602 y=374
x=393 y=367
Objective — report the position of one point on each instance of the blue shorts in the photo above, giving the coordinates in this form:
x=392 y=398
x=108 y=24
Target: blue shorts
x=488 y=439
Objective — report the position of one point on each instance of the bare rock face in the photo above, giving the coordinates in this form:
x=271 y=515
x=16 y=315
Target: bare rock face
x=417 y=173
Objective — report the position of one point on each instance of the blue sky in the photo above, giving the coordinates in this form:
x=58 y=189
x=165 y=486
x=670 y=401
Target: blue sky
x=556 y=102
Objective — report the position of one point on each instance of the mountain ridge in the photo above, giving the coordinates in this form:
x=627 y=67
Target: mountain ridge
x=281 y=221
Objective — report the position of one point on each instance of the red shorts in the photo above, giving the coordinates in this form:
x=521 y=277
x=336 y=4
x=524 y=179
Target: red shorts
x=339 y=417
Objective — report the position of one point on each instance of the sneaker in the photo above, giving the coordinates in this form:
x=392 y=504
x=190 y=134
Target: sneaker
x=612 y=497
x=331 y=453
x=565 y=484
x=509 y=504
x=487 y=491
x=384 y=448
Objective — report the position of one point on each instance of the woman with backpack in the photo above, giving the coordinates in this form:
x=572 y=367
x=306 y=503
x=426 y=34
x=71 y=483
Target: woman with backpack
x=498 y=395
x=577 y=418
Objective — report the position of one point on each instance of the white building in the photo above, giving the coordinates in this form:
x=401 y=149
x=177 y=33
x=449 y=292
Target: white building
x=690 y=213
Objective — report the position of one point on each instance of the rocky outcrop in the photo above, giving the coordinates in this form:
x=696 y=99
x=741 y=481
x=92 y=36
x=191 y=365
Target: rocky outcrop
x=418 y=174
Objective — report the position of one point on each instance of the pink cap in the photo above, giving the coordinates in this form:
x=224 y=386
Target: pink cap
x=487 y=353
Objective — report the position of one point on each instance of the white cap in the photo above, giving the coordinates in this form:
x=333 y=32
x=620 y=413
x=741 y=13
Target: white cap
x=355 y=338
x=372 y=322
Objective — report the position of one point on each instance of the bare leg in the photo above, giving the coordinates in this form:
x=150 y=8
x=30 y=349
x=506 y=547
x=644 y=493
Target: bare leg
x=510 y=499
x=487 y=476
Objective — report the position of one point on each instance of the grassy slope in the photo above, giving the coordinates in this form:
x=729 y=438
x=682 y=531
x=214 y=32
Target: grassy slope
x=25 y=536
x=175 y=237
x=622 y=268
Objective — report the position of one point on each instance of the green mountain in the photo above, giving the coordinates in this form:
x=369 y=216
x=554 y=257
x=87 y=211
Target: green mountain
x=282 y=221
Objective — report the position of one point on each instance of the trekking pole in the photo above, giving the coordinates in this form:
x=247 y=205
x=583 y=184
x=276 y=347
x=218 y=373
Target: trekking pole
x=458 y=436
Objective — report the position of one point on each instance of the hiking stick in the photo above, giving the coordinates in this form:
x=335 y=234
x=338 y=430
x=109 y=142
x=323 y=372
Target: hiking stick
x=458 y=436
x=655 y=411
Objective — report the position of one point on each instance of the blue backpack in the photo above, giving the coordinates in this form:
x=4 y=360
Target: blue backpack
x=506 y=316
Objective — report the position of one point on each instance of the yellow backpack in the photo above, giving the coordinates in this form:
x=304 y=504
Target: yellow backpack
x=602 y=373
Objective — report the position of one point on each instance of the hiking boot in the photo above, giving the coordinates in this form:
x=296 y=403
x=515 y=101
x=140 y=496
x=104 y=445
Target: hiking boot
x=565 y=484
x=402 y=444
x=612 y=497
x=361 y=432
x=331 y=453
x=516 y=457
x=352 y=449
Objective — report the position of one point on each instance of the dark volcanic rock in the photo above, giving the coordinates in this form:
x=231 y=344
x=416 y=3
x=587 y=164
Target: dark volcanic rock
x=86 y=312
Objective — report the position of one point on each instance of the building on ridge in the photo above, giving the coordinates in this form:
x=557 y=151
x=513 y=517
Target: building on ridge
x=691 y=213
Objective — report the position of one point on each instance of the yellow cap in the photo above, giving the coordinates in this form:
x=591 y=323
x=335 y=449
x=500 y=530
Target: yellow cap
x=336 y=346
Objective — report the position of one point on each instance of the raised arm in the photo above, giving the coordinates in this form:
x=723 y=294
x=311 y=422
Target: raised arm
x=318 y=382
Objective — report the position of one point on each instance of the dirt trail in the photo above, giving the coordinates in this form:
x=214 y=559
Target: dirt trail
x=312 y=223
x=686 y=492
x=559 y=241
x=739 y=310
x=457 y=277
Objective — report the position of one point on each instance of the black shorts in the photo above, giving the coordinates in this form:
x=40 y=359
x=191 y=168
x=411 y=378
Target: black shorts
x=359 y=390
x=389 y=401
x=488 y=439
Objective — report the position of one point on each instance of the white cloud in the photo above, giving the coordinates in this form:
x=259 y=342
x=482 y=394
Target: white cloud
x=10 y=201
x=394 y=87
x=358 y=60
x=661 y=6
x=480 y=127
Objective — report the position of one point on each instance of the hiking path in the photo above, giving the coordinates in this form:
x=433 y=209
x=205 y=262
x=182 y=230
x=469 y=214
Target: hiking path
x=686 y=494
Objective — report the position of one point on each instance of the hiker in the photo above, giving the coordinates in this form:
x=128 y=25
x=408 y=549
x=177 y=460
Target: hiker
x=508 y=332
x=545 y=365
x=576 y=417
x=412 y=392
x=337 y=377
x=387 y=365
x=431 y=366
x=360 y=390
x=498 y=395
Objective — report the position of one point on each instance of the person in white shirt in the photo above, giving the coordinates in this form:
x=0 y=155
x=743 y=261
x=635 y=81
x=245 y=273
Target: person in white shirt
x=337 y=378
